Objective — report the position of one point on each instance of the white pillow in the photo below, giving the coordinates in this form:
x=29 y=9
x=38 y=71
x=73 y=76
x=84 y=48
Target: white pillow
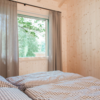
x=12 y=94
x=5 y=83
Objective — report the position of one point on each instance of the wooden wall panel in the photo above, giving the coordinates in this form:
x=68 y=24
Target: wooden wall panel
x=83 y=37
x=32 y=65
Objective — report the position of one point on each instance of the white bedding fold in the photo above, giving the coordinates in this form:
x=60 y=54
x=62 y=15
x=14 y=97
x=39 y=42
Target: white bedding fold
x=37 y=79
x=5 y=83
x=87 y=88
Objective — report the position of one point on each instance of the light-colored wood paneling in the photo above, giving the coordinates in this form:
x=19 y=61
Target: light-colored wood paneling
x=83 y=37
x=32 y=65
x=61 y=3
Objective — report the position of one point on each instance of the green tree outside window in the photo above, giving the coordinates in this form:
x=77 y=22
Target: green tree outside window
x=31 y=36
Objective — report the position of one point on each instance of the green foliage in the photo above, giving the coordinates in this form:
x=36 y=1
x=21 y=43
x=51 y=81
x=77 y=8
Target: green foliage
x=27 y=31
x=29 y=27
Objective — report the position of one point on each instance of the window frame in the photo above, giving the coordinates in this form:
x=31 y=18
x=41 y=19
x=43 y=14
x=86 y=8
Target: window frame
x=46 y=33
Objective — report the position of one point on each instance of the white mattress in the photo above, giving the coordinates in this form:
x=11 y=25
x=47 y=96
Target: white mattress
x=37 y=79
x=86 y=88
x=12 y=94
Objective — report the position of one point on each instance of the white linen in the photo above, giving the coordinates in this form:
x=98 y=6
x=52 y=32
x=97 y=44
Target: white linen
x=12 y=94
x=87 y=88
x=5 y=83
x=37 y=79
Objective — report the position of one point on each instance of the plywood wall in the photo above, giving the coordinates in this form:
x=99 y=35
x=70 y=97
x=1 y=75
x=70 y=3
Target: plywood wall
x=32 y=65
x=83 y=37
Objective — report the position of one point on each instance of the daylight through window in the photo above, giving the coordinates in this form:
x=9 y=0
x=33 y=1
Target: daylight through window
x=32 y=36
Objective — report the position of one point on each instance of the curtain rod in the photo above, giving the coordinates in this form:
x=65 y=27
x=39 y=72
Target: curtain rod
x=33 y=5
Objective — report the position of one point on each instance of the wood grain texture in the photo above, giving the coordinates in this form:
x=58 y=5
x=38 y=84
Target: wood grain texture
x=61 y=3
x=83 y=37
x=38 y=0
x=32 y=65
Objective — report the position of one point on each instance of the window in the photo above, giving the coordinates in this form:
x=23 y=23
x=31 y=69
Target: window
x=32 y=36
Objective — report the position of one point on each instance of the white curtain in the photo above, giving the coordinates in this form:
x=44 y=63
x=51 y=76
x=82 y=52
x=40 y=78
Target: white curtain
x=8 y=39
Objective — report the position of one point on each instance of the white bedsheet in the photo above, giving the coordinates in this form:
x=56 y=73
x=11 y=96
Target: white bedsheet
x=37 y=79
x=86 y=88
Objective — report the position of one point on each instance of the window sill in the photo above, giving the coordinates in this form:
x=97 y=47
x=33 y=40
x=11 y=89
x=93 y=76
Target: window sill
x=33 y=58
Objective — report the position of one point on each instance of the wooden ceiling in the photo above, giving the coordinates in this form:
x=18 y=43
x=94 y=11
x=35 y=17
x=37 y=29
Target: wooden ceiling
x=61 y=2
x=38 y=0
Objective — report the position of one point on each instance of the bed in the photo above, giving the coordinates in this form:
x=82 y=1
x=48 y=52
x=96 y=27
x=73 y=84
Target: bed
x=87 y=88
x=10 y=92
x=41 y=78
x=57 y=85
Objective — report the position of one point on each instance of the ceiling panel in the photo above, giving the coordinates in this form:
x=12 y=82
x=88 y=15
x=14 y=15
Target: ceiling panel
x=61 y=2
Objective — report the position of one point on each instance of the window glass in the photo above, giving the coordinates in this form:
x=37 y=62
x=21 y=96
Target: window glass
x=32 y=36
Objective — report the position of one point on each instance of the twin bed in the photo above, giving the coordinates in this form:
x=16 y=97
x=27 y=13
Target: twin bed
x=54 y=85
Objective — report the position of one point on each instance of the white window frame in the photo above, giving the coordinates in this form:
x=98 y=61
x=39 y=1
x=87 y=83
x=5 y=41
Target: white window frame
x=46 y=33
